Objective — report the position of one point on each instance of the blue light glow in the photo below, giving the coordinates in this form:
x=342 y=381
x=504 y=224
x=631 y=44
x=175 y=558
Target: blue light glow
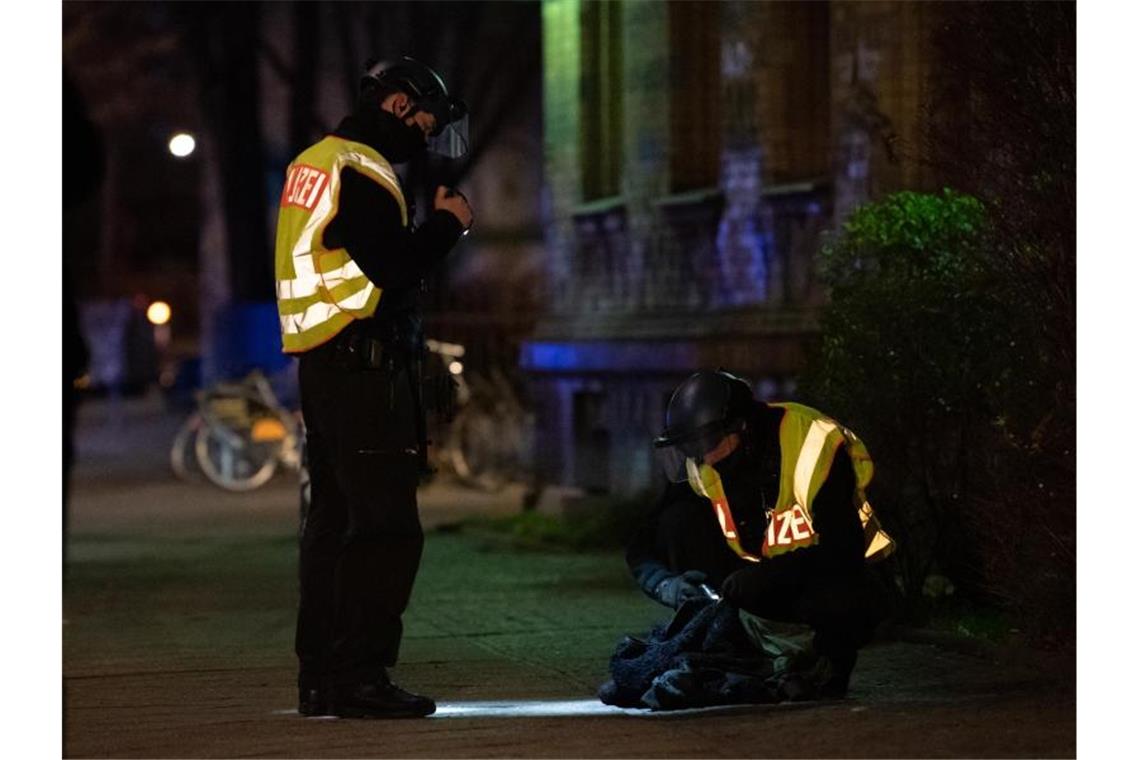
x=609 y=356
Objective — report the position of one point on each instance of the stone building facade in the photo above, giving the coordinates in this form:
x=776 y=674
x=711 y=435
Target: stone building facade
x=695 y=152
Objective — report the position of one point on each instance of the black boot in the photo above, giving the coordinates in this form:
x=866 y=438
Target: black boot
x=378 y=699
x=842 y=663
x=312 y=701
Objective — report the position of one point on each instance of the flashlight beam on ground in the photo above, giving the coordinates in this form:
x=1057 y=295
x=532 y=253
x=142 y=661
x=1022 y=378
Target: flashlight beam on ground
x=576 y=708
x=539 y=708
x=536 y=708
x=572 y=708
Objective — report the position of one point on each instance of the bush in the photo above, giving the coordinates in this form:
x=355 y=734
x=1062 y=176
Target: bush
x=928 y=352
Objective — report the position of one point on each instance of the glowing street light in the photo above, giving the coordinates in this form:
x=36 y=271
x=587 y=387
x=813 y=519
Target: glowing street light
x=158 y=313
x=182 y=145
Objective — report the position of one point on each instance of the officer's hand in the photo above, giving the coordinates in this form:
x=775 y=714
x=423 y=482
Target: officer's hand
x=744 y=587
x=678 y=589
x=454 y=202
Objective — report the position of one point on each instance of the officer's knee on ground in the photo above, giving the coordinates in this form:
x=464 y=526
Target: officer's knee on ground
x=853 y=605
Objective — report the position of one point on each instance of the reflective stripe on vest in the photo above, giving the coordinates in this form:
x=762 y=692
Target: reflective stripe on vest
x=320 y=291
x=808 y=444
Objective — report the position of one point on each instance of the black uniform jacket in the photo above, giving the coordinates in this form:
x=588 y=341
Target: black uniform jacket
x=752 y=487
x=367 y=224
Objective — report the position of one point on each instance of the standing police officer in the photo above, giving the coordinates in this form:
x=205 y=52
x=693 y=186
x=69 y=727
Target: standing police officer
x=773 y=514
x=349 y=266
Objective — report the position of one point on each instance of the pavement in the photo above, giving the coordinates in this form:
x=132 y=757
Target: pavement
x=179 y=607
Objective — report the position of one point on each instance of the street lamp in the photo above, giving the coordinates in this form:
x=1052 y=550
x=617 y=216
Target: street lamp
x=181 y=145
x=158 y=314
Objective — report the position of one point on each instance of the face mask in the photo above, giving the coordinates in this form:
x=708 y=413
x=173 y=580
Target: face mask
x=399 y=141
x=731 y=463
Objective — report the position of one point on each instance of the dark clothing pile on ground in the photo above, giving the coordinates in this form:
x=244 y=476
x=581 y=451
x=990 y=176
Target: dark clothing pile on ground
x=711 y=653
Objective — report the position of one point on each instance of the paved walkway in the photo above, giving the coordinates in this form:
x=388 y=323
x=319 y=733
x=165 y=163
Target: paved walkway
x=178 y=626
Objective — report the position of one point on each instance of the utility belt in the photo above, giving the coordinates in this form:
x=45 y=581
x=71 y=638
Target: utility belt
x=363 y=353
x=367 y=345
x=395 y=351
x=390 y=352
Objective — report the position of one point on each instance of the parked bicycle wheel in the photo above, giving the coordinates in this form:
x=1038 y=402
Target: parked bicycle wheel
x=480 y=450
x=233 y=460
x=183 y=459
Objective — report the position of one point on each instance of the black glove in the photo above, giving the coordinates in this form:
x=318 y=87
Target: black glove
x=678 y=589
x=752 y=588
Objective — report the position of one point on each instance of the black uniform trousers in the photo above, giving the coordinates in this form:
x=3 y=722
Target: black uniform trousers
x=361 y=540
x=842 y=609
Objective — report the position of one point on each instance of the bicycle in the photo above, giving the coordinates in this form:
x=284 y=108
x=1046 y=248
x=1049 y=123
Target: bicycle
x=487 y=438
x=239 y=436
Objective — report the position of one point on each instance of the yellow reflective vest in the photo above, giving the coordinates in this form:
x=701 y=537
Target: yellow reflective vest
x=321 y=290
x=808 y=443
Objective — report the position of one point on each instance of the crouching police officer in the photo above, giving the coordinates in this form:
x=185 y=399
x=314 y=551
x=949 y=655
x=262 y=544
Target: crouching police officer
x=767 y=506
x=349 y=267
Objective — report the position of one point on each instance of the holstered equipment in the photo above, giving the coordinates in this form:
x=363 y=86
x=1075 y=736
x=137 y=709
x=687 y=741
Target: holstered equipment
x=394 y=350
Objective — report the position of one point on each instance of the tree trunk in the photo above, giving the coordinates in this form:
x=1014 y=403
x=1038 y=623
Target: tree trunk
x=303 y=93
x=232 y=110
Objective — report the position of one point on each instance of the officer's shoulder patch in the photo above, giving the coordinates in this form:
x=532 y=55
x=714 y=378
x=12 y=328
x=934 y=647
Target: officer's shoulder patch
x=303 y=186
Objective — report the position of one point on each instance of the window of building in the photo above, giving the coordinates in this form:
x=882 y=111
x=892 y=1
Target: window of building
x=793 y=90
x=601 y=96
x=694 y=113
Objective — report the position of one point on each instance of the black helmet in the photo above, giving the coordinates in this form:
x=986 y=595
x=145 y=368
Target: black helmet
x=702 y=410
x=427 y=90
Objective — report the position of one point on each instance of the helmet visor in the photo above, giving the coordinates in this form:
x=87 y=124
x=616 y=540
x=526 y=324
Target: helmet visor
x=677 y=453
x=450 y=136
x=451 y=141
x=673 y=463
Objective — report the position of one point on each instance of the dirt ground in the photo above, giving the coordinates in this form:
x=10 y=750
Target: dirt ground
x=178 y=623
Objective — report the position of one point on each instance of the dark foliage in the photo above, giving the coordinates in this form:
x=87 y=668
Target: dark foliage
x=950 y=342
x=1003 y=128
x=935 y=358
